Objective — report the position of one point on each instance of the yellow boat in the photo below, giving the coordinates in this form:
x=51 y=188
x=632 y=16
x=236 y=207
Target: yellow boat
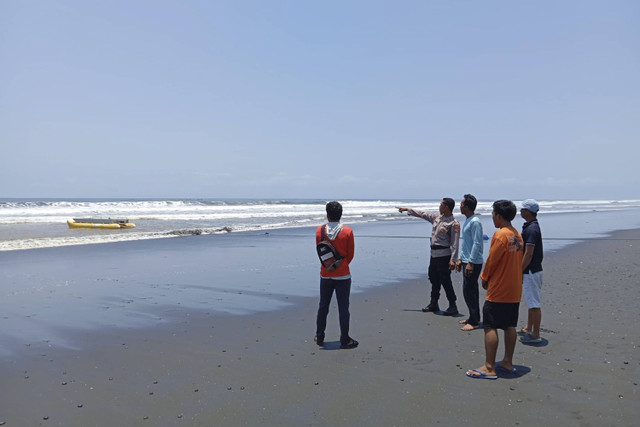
x=100 y=223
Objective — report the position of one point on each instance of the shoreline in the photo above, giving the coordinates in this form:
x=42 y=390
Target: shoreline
x=199 y=370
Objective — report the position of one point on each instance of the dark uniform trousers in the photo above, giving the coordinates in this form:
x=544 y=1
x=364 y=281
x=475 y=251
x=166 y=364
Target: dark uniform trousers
x=440 y=276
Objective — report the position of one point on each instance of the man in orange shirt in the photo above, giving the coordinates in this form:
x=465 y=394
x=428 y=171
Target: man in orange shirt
x=338 y=280
x=502 y=278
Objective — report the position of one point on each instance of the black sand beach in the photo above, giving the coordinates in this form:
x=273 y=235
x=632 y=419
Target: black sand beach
x=198 y=367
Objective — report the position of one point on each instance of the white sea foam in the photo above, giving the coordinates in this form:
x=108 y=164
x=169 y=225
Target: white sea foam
x=26 y=224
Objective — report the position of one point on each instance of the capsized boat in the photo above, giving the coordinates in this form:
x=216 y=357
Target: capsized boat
x=112 y=223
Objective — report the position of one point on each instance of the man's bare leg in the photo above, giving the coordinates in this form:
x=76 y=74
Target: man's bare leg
x=510 y=338
x=527 y=329
x=535 y=317
x=491 y=341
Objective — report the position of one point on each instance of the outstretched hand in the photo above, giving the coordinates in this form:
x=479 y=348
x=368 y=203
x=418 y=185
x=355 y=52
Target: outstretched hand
x=401 y=209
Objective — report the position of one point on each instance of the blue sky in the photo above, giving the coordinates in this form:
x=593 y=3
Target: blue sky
x=332 y=99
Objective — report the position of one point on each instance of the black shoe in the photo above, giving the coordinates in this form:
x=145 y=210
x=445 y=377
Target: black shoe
x=451 y=311
x=431 y=308
x=319 y=340
x=351 y=344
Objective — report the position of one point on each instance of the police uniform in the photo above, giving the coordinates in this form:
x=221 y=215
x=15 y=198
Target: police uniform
x=445 y=238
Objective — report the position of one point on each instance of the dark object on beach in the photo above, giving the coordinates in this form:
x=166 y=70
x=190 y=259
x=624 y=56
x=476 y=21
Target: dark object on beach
x=189 y=232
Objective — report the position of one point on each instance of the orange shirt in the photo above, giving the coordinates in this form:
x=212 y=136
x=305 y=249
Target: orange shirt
x=503 y=269
x=344 y=244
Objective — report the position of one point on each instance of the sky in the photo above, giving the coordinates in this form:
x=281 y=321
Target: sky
x=307 y=99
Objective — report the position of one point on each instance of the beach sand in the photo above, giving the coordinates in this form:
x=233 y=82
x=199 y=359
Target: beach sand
x=205 y=368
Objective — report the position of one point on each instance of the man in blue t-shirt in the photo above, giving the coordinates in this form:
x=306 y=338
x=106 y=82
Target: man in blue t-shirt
x=531 y=271
x=470 y=261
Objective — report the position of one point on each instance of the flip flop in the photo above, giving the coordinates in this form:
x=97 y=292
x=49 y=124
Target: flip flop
x=502 y=368
x=482 y=375
x=473 y=328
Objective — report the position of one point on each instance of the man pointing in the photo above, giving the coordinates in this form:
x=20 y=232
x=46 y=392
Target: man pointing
x=445 y=237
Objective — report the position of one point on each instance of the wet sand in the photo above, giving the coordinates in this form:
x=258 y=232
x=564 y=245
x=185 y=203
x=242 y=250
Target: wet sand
x=204 y=368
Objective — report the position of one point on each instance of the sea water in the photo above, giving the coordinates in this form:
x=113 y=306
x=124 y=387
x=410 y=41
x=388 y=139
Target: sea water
x=29 y=224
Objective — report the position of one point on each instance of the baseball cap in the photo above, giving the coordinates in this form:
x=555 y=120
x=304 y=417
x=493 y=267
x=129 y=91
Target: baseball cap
x=530 y=205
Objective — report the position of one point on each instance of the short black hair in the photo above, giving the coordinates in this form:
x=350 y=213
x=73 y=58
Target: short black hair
x=505 y=208
x=334 y=211
x=449 y=202
x=470 y=202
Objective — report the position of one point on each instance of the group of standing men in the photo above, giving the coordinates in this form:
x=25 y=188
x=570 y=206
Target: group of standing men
x=514 y=264
x=513 y=268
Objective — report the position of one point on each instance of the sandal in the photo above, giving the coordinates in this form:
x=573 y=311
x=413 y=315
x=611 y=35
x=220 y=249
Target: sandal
x=351 y=344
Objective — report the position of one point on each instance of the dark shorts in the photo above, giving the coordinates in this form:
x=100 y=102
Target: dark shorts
x=500 y=315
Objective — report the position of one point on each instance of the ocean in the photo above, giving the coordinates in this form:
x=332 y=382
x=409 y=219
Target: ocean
x=30 y=223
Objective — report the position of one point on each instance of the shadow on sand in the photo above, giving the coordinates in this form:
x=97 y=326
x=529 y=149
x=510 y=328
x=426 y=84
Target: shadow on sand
x=521 y=371
x=542 y=343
